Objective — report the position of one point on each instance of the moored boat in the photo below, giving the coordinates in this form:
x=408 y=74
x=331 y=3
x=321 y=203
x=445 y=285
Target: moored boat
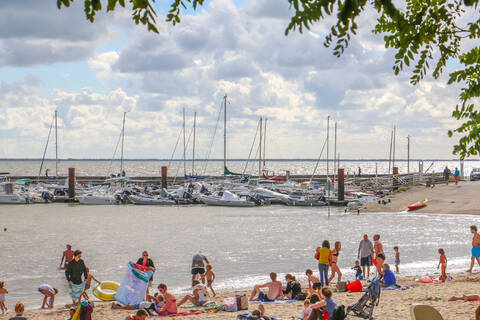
x=418 y=205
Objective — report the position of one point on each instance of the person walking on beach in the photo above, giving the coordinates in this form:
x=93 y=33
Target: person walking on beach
x=456 y=175
x=210 y=276
x=443 y=262
x=397 y=259
x=198 y=266
x=365 y=252
x=3 y=292
x=446 y=174
x=379 y=253
x=475 y=247
x=75 y=269
x=334 y=262
x=66 y=257
x=88 y=283
x=323 y=255
x=19 y=310
x=49 y=293
x=274 y=290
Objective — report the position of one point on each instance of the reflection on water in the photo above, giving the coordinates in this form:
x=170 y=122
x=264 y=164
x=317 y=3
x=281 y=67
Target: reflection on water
x=244 y=244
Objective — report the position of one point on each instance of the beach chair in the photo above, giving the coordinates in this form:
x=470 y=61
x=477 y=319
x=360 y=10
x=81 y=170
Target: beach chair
x=424 y=312
x=365 y=305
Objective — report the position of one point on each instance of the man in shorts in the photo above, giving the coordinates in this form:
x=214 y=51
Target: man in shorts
x=365 y=253
x=198 y=266
x=475 y=247
x=274 y=290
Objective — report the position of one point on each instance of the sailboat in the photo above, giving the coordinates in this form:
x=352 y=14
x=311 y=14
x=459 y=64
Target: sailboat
x=265 y=173
x=226 y=171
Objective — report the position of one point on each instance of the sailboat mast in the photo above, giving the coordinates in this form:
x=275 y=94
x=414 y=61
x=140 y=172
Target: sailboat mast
x=224 y=134
x=184 y=146
x=264 y=143
x=193 y=152
x=335 y=153
x=123 y=140
x=390 y=154
x=260 y=151
x=56 y=145
x=394 y=137
x=328 y=142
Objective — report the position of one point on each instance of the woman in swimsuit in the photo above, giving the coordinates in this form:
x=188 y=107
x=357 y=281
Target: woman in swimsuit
x=3 y=292
x=443 y=263
x=334 y=262
x=170 y=306
x=379 y=253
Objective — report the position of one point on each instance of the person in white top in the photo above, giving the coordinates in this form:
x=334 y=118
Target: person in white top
x=199 y=296
x=49 y=292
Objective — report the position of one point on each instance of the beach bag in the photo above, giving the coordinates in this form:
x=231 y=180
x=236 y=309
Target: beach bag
x=230 y=304
x=341 y=286
x=339 y=313
x=242 y=302
x=355 y=286
x=87 y=309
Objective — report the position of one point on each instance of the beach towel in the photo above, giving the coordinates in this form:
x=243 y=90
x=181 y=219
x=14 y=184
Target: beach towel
x=396 y=287
x=134 y=285
x=277 y=301
x=180 y=314
x=76 y=290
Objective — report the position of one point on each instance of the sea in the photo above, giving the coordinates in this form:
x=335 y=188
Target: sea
x=243 y=244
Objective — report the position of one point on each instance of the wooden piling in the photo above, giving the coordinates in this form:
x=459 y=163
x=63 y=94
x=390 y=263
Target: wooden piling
x=164 y=177
x=71 y=183
x=341 y=184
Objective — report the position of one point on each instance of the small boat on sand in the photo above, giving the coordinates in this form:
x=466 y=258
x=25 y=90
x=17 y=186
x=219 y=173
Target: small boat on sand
x=418 y=205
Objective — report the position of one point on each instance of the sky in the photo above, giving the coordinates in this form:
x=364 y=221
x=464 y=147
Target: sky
x=91 y=74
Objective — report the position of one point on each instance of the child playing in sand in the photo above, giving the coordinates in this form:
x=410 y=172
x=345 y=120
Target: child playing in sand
x=88 y=283
x=443 y=263
x=49 y=293
x=397 y=258
x=358 y=271
x=210 y=276
x=3 y=292
x=314 y=284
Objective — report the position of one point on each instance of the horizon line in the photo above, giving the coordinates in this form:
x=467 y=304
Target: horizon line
x=234 y=159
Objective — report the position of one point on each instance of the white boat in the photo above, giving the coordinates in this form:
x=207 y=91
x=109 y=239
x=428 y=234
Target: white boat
x=136 y=199
x=7 y=196
x=303 y=202
x=227 y=199
x=92 y=199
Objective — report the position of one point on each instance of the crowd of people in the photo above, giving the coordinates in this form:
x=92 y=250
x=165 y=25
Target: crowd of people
x=320 y=296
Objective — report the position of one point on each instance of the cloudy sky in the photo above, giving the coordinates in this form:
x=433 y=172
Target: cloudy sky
x=91 y=73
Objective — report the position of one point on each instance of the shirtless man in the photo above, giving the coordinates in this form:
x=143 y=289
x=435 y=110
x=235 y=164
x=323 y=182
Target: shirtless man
x=274 y=290
x=379 y=253
x=475 y=247
x=67 y=257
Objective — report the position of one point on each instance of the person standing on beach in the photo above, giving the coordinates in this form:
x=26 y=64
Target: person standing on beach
x=334 y=262
x=446 y=174
x=198 y=266
x=323 y=255
x=49 y=293
x=475 y=247
x=443 y=262
x=365 y=253
x=75 y=269
x=3 y=292
x=66 y=257
x=379 y=253
x=397 y=259
x=146 y=262
x=456 y=175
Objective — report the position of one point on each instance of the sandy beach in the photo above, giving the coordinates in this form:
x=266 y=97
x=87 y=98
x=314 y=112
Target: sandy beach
x=394 y=304
x=456 y=199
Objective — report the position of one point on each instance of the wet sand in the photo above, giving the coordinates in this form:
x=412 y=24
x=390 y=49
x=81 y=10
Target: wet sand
x=393 y=304
x=457 y=199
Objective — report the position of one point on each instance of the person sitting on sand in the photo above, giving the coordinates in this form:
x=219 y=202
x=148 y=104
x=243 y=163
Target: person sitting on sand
x=327 y=304
x=144 y=305
x=475 y=247
x=274 y=290
x=379 y=253
x=293 y=289
x=19 y=310
x=198 y=296
x=140 y=315
x=314 y=299
x=388 y=276
x=170 y=306
x=314 y=284
x=49 y=292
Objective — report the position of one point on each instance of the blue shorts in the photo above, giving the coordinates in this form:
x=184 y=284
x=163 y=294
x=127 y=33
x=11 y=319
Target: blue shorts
x=367 y=261
x=397 y=262
x=476 y=252
x=263 y=297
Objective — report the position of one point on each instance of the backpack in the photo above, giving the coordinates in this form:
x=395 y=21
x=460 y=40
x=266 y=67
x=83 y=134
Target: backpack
x=339 y=313
x=86 y=312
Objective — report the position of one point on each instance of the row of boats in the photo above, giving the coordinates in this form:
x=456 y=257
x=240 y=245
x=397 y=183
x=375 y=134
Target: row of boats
x=229 y=193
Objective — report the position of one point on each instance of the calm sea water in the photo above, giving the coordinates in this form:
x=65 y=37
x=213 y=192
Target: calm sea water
x=176 y=168
x=244 y=244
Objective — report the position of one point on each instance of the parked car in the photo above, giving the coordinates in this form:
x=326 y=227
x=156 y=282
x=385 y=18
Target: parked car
x=475 y=174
